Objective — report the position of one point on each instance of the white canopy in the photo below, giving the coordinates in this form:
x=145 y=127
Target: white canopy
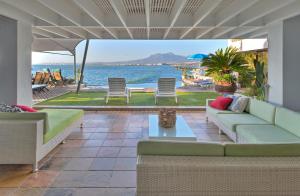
x=44 y=44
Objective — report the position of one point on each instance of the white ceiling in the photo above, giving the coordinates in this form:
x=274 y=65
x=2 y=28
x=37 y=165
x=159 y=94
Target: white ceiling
x=150 y=19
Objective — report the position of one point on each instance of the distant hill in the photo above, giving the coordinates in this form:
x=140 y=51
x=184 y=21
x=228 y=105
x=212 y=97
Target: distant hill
x=160 y=58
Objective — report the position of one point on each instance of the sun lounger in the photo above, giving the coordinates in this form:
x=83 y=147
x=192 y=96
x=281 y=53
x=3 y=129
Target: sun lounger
x=117 y=88
x=166 y=87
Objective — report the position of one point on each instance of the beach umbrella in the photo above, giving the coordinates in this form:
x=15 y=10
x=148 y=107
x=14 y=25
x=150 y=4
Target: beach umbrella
x=197 y=57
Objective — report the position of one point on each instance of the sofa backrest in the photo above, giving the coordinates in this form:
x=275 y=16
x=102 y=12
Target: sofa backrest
x=262 y=150
x=263 y=110
x=288 y=120
x=26 y=116
x=176 y=148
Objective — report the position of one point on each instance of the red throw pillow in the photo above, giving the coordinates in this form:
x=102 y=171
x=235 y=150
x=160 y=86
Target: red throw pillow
x=26 y=108
x=221 y=103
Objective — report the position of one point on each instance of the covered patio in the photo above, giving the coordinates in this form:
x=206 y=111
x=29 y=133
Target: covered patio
x=98 y=155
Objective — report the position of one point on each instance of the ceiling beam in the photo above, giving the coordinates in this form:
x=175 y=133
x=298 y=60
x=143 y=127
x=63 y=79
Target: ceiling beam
x=39 y=11
x=176 y=11
x=91 y=9
x=258 y=33
x=240 y=31
x=230 y=11
x=42 y=32
x=11 y=12
x=117 y=6
x=56 y=31
x=147 y=13
x=206 y=8
x=65 y=9
x=290 y=10
x=260 y=9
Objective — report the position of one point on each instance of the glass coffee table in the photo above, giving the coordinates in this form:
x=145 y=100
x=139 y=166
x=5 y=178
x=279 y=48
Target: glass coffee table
x=180 y=132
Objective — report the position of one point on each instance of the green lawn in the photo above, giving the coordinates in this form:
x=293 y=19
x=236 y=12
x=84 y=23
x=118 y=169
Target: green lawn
x=137 y=99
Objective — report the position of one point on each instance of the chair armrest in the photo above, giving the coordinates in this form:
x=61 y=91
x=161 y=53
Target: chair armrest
x=208 y=101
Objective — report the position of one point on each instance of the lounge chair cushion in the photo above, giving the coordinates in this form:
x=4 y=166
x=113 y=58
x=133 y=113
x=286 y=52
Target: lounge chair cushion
x=288 y=120
x=265 y=134
x=263 y=150
x=263 y=110
x=171 y=148
x=60 y=119
x=232 y=120
x=213 y=111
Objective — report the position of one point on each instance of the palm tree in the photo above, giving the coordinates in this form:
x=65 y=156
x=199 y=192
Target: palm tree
x=222 y=65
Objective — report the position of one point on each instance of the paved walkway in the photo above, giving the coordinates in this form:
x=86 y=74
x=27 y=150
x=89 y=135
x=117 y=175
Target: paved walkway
x=100 y=159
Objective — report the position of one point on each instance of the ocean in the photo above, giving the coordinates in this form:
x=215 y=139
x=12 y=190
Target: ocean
x=136 y=75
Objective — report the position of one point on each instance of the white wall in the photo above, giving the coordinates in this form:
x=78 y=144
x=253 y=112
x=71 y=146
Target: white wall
x=284 y=63
x=15 y=62
x=8 y=60
x=291 y=63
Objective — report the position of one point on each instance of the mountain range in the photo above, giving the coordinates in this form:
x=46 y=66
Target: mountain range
x=159 y=58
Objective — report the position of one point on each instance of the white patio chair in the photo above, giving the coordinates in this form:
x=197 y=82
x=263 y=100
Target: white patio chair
x=166 y=88
x=117 y=88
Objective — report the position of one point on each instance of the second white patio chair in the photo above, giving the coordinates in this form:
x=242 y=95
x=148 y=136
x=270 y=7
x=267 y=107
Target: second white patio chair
x=166 y=87
x=117 y=88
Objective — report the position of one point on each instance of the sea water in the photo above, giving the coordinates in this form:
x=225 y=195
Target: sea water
x=144 y=76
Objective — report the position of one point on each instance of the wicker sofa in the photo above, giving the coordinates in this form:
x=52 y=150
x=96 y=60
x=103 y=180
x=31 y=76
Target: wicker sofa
x=196 y=169
x=25 y=138
x=262 y=122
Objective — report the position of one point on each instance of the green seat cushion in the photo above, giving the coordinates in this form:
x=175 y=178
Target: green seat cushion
x=263 y=150
x=171 y=148
x=60 y=119
x=214 y=111
x=232 y=120
x=263 y=110
x=288 y=120
x=265 y=134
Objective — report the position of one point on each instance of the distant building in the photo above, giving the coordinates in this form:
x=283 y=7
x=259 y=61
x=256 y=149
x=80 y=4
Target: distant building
x=248 y=44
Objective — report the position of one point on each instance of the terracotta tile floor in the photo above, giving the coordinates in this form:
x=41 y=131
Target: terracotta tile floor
x=96 y=160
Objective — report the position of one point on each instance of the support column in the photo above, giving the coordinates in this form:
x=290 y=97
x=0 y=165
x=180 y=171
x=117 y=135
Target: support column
x=15 y=62
x=284 y=63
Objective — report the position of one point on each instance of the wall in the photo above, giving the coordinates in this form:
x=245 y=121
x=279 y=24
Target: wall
x=15 y=62
x=284 y=63
x=8 y=60
x=291 y=62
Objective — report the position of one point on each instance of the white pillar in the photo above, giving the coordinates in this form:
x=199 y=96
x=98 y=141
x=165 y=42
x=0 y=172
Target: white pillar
x=275 y=64
x=15 y=62
x=284 y=63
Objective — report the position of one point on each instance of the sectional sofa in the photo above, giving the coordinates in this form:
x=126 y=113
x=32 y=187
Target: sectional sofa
x=262 y=122
x=201 y=169
x=263 y=160
x=25 y=138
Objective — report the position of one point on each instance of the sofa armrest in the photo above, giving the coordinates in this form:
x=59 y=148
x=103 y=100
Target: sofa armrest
x=20 y=141
x=208 y=101
x=26 y=116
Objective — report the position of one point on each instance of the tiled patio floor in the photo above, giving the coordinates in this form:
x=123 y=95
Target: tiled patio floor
x=97 y=160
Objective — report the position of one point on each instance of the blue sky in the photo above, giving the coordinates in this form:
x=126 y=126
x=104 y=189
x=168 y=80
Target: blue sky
x=121 y=50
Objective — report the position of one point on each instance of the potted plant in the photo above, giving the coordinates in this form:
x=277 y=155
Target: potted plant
x=223 y=66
